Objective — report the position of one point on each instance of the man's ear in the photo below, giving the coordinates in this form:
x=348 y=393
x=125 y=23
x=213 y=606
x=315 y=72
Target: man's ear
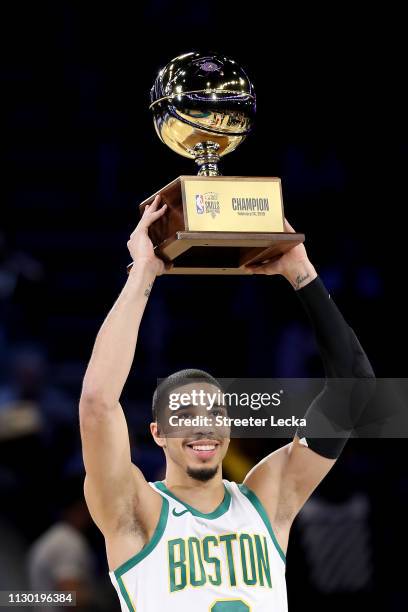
x=155 y=431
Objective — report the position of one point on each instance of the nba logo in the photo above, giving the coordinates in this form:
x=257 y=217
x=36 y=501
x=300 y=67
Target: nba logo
x=199 y=201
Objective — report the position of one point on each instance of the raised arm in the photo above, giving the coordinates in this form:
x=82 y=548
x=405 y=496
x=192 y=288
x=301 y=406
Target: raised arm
x=114 y=487
x=285 y=479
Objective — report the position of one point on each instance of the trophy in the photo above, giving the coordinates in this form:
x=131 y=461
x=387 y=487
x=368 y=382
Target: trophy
x=203 y=107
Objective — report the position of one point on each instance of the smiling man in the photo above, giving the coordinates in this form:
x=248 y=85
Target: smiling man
x=196 y=541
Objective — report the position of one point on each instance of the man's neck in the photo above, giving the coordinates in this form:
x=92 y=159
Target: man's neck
x=204 y=496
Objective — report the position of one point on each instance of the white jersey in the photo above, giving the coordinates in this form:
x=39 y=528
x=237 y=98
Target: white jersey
x=224 y=561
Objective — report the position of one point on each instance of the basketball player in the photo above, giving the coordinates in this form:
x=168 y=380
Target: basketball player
x=195 y=541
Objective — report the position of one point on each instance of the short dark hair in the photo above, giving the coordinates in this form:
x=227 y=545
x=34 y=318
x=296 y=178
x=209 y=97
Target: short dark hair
x=177 y=379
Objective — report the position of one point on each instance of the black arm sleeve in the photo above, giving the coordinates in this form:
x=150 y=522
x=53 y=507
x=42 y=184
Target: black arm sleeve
x=334 y=412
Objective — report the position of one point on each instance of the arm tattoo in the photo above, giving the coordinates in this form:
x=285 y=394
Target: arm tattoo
x=299 y=280
x=148 y=290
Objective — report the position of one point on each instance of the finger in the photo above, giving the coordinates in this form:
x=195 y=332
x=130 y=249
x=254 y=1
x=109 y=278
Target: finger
x=164 y=266
x=150 y=214
x=141 y=223
x=268 y=267
x=153 y=206
x=288 y=227
x=142 y=216
x=267 y=262
x=153 y=216
x=159 y=212
x=256 y=268
x=272 y=260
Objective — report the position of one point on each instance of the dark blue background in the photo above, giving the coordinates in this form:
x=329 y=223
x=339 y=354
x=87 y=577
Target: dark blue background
x=80 y=152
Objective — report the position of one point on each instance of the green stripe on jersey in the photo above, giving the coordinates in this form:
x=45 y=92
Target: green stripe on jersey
x=158 y=532
x=255 y=501
x=125 y=595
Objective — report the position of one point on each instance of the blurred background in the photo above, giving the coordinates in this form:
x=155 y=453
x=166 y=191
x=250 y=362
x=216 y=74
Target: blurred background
x=79 y=152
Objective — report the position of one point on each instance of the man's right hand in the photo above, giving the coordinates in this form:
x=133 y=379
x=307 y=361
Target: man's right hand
x=294 y=265
x=140 y=246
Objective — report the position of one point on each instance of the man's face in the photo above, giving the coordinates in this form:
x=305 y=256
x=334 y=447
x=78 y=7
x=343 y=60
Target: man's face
x=197 y=448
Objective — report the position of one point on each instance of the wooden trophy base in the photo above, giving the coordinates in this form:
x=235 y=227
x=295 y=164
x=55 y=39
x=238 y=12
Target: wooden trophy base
x=184 y=235
x=222 y=252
